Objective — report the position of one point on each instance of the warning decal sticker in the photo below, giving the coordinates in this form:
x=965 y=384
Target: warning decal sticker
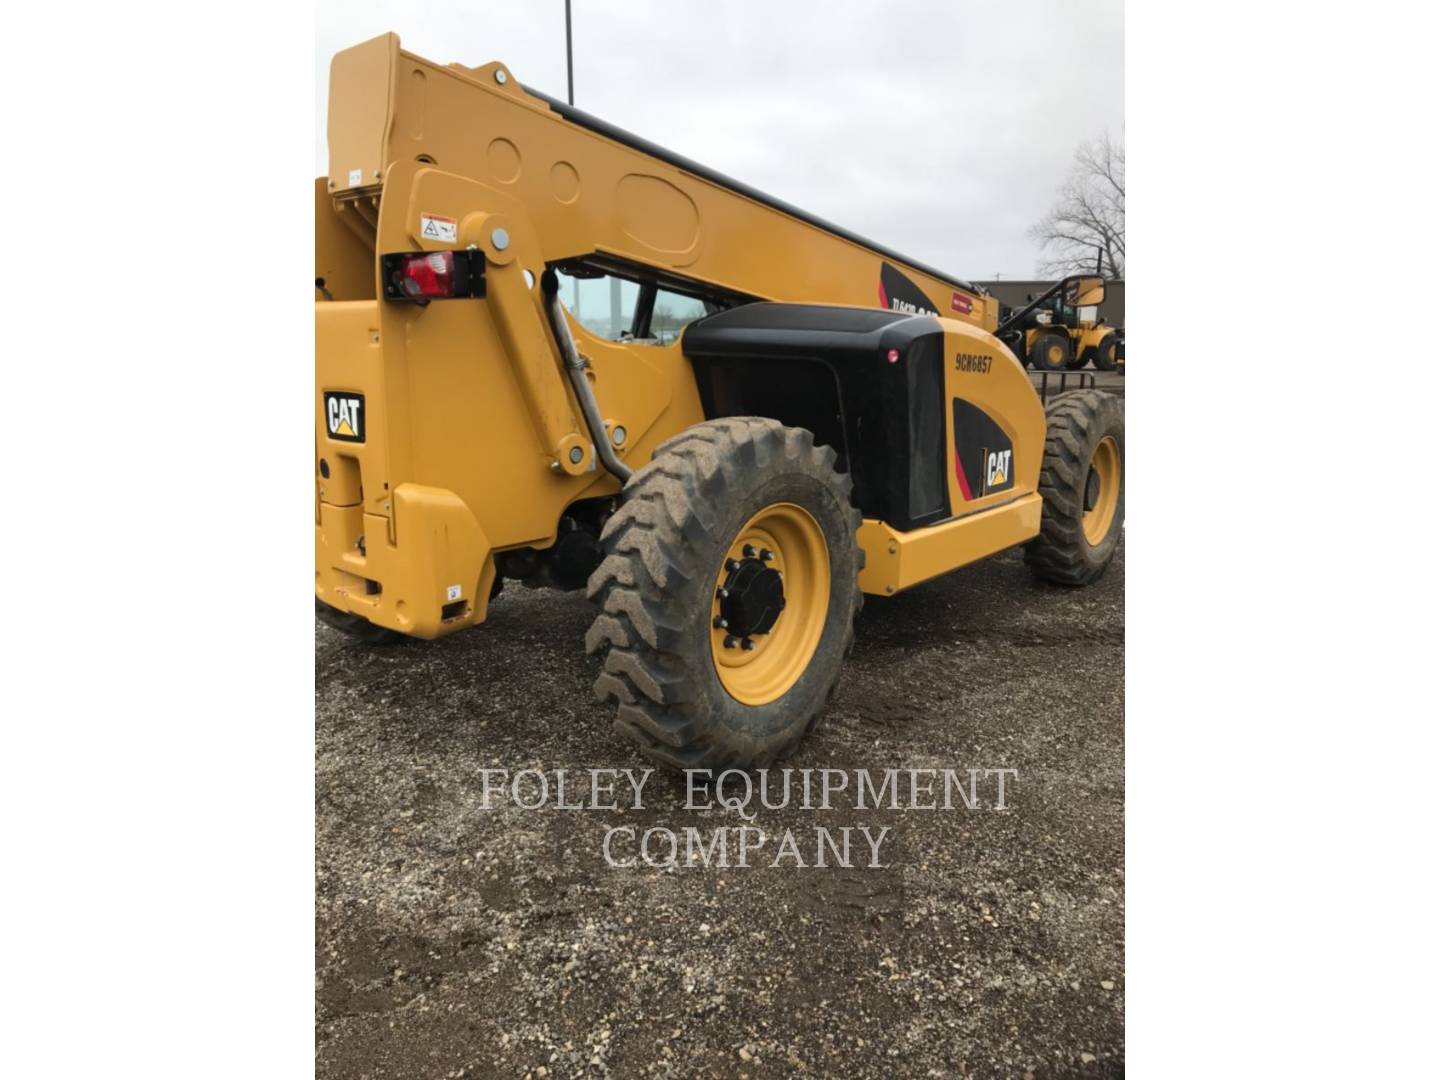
x=434 y=227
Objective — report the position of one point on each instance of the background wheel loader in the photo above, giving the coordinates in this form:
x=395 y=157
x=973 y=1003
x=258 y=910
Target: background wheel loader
x=552 y=352
x=1060 y=330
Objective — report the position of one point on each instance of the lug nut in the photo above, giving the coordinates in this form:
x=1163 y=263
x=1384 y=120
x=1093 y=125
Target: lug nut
x=732 y=564
x=721 y=623
x=722 y=593
x=729 y=642
x=766 y=555
x=748 y=551
x=747 y=645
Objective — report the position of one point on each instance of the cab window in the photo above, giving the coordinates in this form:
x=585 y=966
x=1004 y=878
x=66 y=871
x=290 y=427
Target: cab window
x=639 y=309
x=673 y=312
x=602 y=303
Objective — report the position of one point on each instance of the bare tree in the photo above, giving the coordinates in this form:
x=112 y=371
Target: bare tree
x=664 y=323
x=1085 y=231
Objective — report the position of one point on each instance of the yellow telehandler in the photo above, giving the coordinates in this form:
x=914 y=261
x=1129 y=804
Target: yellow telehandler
x=550 y=351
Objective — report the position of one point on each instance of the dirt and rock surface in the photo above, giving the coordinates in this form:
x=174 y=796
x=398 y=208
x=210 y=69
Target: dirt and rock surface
x=455 y=941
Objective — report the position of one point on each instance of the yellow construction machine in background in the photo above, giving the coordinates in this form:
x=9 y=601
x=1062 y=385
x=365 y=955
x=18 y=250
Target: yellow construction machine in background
x=1062 y=330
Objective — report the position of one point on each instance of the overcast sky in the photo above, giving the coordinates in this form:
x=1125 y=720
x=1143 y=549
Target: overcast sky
x=941 y=130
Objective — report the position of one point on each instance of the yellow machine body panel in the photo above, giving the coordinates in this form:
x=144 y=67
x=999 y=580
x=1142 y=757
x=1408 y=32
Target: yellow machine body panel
x=448 y=432
x=584 y=192
x=1088 y=336
x=985 y=376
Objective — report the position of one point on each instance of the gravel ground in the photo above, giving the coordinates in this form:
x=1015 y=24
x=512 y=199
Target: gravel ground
x=455 y=941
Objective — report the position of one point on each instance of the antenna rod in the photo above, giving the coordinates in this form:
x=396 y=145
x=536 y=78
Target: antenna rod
x=569 y=57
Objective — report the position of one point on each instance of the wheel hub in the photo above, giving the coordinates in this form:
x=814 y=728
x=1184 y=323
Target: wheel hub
x=1092 y=489
x=772 y=594
x=1102 y=490
x=752 y=597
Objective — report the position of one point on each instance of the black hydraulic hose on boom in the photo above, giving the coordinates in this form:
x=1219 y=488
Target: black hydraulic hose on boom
x=1015 y=318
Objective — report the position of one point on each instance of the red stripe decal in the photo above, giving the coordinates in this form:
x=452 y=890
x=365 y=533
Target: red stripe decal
x=884 y=300
x=960 y=475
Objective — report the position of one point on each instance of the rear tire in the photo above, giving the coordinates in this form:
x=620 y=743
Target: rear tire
x=1050 y=352
x=352 y=625
x=1082 y=482
x=1105 y=353
x=669 y=547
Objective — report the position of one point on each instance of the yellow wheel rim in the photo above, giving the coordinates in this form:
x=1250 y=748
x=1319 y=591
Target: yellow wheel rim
x=1102 y=490
x=1055 y=354
x=773 y=661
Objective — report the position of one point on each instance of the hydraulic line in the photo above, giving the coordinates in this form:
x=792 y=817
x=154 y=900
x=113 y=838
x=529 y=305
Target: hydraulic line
x=575 y=366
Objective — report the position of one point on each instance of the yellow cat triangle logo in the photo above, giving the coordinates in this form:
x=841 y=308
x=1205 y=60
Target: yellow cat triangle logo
x=345 y=416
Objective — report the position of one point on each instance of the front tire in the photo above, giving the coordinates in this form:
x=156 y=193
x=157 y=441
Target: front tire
x=727 y=595
x=1082 y=484
x=1105 y=353
x=1050 y=352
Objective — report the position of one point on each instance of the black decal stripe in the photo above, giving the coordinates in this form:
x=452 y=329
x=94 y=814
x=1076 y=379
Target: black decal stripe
x=977 y=436
x=899 y=293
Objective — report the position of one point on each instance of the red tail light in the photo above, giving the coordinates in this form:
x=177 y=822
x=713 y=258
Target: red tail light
x=422 y=276
x=431 y=275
